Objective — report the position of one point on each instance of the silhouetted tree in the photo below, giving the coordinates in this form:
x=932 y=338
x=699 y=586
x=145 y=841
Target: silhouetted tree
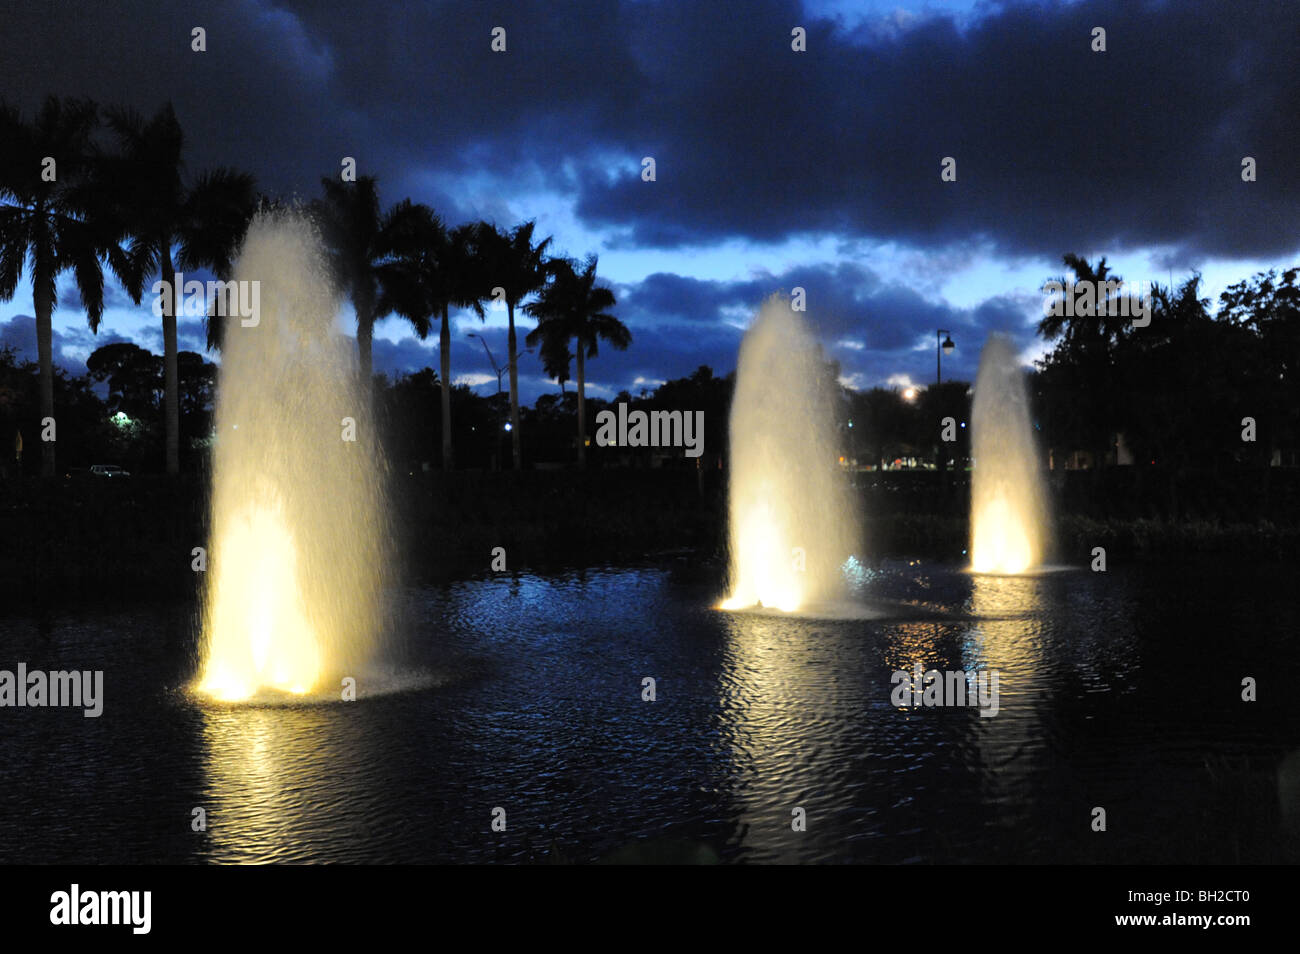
x=512 y=262
x=365 y=248
x=1081 y=367
x=53 y=220
x=1268 y=306
x=884 y=424
x=572 y=307
x=430 y=271
x=134 y=377
x=173 y=226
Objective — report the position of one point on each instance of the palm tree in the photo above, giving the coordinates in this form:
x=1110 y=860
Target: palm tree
x=573 y=307
x=411 y=283
x=1086 y=334
x=463 y=281
x=173 y=227
x=1080 y=359
x=56 y=226
x=512 y=262
x=370 y=251
x=429 y=271
x=356 y=236
x=406 y=275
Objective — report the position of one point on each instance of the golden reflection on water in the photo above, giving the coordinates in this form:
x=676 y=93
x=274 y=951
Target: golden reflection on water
x=1001 y=633
x=784 y=716
x=1006 y=632
x=278 y=780
x=1007 y=638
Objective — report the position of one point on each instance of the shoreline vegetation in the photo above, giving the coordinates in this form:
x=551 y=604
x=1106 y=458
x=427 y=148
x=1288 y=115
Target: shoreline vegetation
x=136 y=537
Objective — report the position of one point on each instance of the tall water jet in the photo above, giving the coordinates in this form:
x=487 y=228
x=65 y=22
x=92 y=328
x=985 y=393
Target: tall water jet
x=1008 y=505
x=298 y=542
x=792 y=518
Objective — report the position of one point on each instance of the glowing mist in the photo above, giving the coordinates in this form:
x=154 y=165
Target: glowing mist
x=297 y=552
x=1008 y=506
x=792 y=519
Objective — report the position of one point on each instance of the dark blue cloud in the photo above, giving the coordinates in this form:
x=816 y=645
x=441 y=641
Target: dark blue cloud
x=1058 y=148
x=70 y=344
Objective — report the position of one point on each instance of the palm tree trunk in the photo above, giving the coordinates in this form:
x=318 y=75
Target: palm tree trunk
x=171 y=376
x=45 y=352
x=514 y=391
x=582 y=409
x=444 y=355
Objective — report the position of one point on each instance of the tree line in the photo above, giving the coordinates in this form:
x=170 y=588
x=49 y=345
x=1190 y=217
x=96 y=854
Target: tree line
x=112 y=414
x=91 y=190
x=1195 y=396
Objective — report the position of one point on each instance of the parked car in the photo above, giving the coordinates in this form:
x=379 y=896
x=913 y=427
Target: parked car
x=108 y=470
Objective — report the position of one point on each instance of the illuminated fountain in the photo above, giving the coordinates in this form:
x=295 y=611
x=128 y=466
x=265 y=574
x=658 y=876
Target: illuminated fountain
x=792 y=519
x=298 y=541
x=1008 y=506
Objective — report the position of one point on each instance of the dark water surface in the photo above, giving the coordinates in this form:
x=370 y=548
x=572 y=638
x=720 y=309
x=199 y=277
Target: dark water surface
x=1120 y=690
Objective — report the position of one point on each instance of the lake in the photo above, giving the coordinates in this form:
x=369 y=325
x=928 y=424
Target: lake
x=1119 y=690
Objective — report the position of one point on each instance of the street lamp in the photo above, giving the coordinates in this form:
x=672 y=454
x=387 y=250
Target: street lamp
x=942 y=346
x=499 y=371
x=491 y=360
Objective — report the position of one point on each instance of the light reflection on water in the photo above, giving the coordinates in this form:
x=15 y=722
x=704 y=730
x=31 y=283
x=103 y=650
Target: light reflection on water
x=264 y=794
x=1115 y=690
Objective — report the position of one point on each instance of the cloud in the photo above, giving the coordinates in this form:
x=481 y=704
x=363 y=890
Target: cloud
x=1058 y=148
x=873 y=327
x=71 y=346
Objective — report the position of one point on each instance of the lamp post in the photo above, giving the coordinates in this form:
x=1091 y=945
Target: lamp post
x=491 y=360
x=942 y=345
x=496 y=445
x=499 y=371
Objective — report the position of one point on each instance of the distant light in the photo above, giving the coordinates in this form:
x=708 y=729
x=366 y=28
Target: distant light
x=909 y=394
x=850 y=423
x=120 y=419
x=509 y=426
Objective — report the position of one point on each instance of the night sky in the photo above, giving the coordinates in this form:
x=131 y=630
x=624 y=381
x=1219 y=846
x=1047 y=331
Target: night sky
x=775 y=169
